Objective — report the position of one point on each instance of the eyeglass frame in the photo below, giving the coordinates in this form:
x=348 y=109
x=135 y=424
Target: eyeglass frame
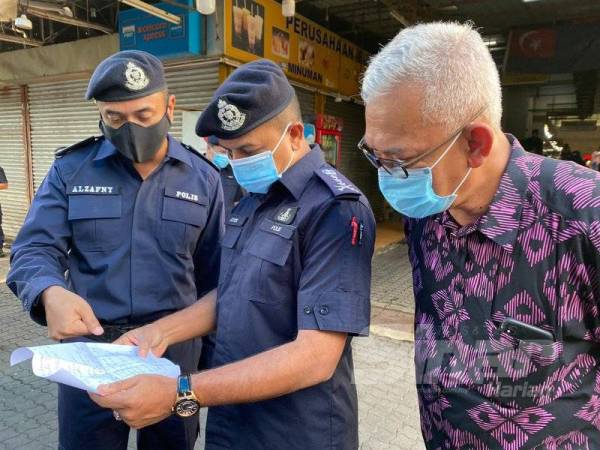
x=396 y=164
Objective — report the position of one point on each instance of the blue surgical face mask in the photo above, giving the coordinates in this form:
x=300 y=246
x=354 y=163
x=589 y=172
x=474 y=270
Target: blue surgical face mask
x=414 y=196
x=220 y=160
x=258 y=172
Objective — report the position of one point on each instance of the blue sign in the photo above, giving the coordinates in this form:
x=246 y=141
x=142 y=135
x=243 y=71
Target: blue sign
x=142 y=31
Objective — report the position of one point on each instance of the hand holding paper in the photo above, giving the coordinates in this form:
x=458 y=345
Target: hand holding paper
x=87 y=365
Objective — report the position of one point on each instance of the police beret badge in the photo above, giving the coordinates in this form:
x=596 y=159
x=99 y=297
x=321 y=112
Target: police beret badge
x=230 y=116
x=135 y=77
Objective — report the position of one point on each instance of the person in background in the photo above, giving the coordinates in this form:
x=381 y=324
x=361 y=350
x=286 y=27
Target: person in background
x=232 y=192
x=567 y=154
x=534 y=143
x=595 y=160
x=3 y=185
x=504 y=246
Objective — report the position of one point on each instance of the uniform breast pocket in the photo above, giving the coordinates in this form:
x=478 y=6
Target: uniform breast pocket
x=182 y=220
x=233 y=230
x=272 y=247
x=96 y=221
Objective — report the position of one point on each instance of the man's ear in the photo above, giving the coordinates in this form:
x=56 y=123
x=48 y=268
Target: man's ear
x=296 y=134
x=480 y=138
x=171 y=108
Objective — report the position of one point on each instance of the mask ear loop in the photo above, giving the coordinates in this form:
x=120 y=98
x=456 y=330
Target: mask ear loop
x=446 y=151
x=463 y=181
x=287 y=127
x=442 y=157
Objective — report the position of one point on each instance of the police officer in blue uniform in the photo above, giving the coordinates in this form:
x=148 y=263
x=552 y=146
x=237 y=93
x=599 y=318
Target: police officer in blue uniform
x=125 y=229
x=294 y=288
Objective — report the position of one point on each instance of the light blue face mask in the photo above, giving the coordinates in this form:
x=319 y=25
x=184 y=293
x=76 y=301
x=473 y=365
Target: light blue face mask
x=258 y=172
x=220 y=160
x=414 y=196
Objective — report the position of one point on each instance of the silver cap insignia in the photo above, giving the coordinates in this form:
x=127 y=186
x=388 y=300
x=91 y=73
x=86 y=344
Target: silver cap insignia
x=135 y=77
x=231 y=117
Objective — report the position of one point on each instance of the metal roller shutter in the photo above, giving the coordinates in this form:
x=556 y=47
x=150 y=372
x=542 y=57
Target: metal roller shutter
x=307 y=102
x=353 y=163
x=14 y=200
x=193 y=85
x=60 y=115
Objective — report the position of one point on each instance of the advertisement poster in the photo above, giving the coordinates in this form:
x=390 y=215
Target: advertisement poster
x=142 y=31
x=307 y=52
x=248 y=25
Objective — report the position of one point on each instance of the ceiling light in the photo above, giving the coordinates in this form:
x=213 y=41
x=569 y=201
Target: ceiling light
x=530 y=1
x=66 y=11
x=206 y=7
x=23 y=23
x=153 y=10
x=288 y=8
x=490 y=43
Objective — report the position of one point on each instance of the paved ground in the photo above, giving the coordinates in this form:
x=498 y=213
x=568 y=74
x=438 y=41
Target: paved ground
x=392 y=279
x=384 y=371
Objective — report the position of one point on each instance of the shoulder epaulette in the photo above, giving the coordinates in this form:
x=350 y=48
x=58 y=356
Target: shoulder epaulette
x=196 y=152
x=339 y=185
x=62 y=151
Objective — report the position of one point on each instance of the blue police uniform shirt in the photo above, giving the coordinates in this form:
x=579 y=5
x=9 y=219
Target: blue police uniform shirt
x=293 y=260
x=133 y=248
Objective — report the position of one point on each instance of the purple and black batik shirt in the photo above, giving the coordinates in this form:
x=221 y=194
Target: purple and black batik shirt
x=533 y=257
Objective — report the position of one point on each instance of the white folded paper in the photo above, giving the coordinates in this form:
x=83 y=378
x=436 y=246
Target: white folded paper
x=86 y=365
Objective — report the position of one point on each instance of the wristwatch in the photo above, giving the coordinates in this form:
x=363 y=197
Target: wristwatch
x=187 y=404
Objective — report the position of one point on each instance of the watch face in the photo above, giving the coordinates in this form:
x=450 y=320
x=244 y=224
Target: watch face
x=187 y=408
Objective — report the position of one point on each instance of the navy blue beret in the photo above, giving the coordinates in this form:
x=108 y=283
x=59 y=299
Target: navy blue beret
x=126 y=75
x=252 y=95
x=213 y=140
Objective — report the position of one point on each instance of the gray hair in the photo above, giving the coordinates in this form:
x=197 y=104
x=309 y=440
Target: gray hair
x=452 y=64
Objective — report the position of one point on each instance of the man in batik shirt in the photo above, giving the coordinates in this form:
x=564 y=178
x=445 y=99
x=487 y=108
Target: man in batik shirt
x=505 y=249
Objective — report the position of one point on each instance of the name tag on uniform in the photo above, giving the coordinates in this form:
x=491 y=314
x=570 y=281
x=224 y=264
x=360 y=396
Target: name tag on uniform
x=184 y=194
x=187 y=196
x=236 y=221
x=285 y=231
x=92 y=189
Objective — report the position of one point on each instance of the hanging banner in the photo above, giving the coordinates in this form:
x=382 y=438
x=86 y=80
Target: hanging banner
x=307 y=52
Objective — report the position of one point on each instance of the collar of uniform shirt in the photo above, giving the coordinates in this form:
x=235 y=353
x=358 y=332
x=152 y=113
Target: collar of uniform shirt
x=296 y=178
x=175 y=151
x=501 y=222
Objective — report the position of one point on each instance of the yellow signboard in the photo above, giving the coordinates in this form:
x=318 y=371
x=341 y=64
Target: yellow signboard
x=306 y=51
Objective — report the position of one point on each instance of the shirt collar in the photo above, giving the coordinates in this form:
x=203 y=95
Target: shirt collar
x=178 y=152
x=501 y=222
x=175 y=151
x=106 y=150
x=296 y=178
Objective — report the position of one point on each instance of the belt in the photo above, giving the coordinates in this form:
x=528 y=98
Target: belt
x=113 y=332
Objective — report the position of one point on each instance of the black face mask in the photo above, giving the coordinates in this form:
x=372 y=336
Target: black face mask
x=136 y=142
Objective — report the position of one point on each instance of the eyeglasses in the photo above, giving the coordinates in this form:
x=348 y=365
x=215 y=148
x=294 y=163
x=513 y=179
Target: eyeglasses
x=397 y=167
